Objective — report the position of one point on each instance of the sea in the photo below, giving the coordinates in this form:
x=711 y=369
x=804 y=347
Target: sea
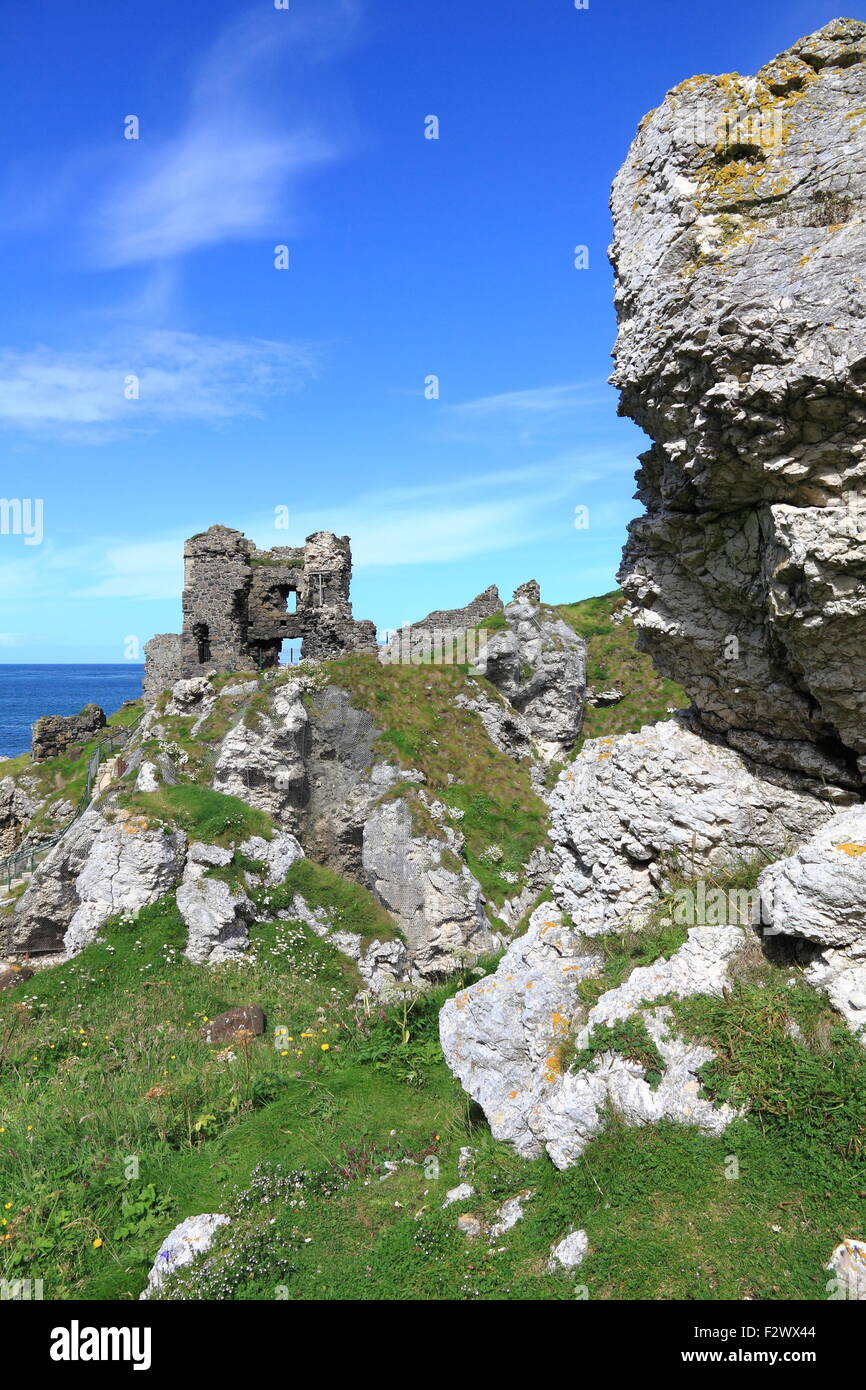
x=26 y=692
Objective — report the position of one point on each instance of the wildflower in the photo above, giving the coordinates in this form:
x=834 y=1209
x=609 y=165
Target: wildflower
x=326 y=1047
x=97 y=1242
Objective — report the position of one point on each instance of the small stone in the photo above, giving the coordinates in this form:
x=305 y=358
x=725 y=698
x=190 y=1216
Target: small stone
x=848 y=1263
x=248 y=1019
x=12 y=975
x=459 y=1194
x=569 y=1253
x=470 y=1226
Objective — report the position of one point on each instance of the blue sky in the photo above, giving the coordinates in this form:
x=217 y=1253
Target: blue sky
x=259 y=388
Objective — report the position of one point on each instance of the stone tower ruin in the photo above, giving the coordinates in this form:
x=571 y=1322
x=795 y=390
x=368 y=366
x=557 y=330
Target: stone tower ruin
x=241 y=603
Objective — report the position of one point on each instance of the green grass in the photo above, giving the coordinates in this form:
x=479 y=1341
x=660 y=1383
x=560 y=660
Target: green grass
x=205 y=815
x=421 y=728
x=101 y=1057
x=495 y=622
x=629 y=1038
x=349 y=906
x=613 y=660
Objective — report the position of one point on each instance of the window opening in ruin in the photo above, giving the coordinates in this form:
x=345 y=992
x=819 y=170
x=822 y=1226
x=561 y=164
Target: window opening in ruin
x=201 y=633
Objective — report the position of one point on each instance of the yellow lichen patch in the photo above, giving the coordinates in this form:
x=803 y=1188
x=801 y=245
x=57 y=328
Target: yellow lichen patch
x=512 y=1095
x=853 y=850
x=529 y=984
x=560 y=1023
x=552 y=1068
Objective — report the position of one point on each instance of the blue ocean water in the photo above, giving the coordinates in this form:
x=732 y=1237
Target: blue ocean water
x=26 y=692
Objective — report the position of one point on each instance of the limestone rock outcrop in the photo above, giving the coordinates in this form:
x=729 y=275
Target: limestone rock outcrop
x=98 y=869
x=503 y=1039
x=538 y=663
x=439 y=905
x=128 y=866
x=16 y=809
x=630 y=809
x=817 y=895
x=739 y=242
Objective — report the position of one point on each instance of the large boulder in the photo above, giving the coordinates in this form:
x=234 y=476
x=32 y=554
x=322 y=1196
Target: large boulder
x=503 y=1038
x=739 y=239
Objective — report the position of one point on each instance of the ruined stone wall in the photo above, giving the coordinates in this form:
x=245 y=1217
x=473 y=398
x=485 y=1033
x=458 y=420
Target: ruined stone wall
x=484 y=605
x=162 y=664
x=54 y=733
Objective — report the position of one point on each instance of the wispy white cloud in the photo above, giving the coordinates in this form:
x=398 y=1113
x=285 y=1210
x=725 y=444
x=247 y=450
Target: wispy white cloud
x=10 y=639
x=234 y=167
x=540 y=400
x=88 y=394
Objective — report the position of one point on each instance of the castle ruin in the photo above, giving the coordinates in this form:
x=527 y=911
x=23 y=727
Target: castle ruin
x=241 y=603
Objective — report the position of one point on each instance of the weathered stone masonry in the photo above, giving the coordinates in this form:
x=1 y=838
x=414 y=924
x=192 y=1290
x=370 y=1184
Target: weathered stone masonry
x=238 y=607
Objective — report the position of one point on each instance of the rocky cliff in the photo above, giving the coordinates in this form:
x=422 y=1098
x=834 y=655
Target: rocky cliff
x=739 y=237
x=738 y=247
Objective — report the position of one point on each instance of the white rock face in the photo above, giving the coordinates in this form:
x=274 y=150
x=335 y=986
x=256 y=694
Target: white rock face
x=148 y=778
x=502 y=1036
x=738 y=237
x=279 y=854
x=193 y=1237
x=539 y=664
x=264 y=765
x=569 y=1253
x=128 y=867
x=440 y=909
x=848 y=1263
x=820 y=891
x=193 y=696
x=627 y=803
x=818 y=894
x=217 y=916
